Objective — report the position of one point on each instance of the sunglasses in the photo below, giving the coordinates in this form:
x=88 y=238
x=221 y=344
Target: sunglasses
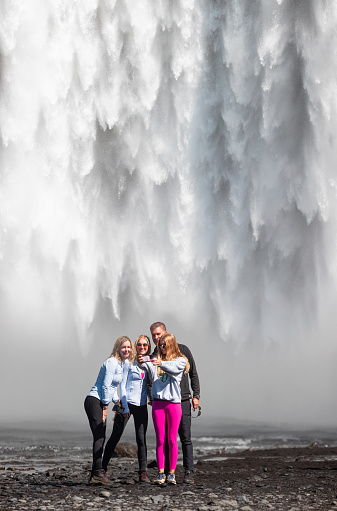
x=162 y=346
x=142 y=345
x=198 y=414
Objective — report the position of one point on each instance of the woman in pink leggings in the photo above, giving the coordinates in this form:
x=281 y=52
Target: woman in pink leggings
x=166 y=372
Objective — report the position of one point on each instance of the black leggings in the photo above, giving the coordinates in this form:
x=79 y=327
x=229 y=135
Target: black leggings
x=94 y=411
x=140 y=418
x=185 y=435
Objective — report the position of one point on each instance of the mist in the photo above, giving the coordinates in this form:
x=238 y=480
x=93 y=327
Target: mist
x=175 y=162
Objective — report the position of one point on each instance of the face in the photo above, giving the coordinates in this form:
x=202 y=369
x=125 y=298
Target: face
x=156 y=334
x=124 y=350
x=162 y=346
x=142 y=346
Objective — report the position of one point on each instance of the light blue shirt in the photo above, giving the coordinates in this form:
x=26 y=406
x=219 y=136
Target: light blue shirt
x=109 y=377
x=134 y=387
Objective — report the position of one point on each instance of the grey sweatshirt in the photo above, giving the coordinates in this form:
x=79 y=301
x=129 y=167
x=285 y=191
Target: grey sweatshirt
x=166 y=386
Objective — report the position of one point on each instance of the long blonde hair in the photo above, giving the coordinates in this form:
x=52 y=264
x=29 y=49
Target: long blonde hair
x=117 y=347
x=172 y=352
x=148 y=345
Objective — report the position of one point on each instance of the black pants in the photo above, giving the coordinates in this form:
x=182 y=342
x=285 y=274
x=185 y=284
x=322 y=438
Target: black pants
x=185 y=438
x=140 y=418
x=185 y=435
x=94 y=411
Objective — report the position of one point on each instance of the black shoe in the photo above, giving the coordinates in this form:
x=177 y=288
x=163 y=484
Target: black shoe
x=189 y=477
x=143 y=478
x=99 y=477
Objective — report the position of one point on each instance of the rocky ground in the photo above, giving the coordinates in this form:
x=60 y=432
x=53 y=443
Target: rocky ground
x=280 y=479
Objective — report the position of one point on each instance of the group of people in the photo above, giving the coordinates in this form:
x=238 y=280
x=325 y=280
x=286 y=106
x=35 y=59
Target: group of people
x=162 y=379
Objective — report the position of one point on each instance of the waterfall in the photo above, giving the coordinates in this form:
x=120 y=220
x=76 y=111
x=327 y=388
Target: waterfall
x=174 y=161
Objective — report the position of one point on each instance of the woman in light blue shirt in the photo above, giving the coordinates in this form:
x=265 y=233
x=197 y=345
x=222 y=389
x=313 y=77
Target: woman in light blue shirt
x=101 y=394
x=134 y=396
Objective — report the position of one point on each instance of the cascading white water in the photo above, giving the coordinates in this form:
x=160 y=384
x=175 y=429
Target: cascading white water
x=172 y=160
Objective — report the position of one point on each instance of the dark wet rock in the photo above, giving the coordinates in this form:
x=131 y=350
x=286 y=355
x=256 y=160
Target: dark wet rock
x=125 y=450
x=242 y=498
x=128 y=480
x=232 y=484
x=105 y=494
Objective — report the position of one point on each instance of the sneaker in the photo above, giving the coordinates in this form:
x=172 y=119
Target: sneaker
x=171 y=479
x=99 y=477
x=143 y=478
x=189 y=477
x=160 y=479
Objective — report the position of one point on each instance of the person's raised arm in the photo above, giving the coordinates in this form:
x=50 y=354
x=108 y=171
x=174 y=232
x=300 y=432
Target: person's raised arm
x=147 y=363
x=173 y=367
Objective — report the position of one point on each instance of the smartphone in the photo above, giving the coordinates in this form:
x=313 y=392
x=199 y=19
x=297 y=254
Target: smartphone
x=146 y=358
x=117 y=408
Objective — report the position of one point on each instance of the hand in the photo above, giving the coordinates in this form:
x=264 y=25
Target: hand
x=144 y=358
x=156 y=362
x=195 y=403
x=105 y=413
x=126 y=415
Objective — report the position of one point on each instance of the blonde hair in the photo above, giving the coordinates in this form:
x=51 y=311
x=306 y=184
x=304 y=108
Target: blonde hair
x=148 y=345
x=118 y=345
x=172 y=351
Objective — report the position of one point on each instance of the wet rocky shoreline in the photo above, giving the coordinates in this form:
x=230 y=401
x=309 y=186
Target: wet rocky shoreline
x=284 y=479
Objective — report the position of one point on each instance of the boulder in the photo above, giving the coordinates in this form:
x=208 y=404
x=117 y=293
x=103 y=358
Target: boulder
x=125 y=450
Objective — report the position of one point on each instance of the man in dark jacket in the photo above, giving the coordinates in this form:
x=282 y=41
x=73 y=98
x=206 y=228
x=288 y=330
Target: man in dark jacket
x=157 y=330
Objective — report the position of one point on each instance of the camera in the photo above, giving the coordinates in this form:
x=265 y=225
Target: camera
x=118 y=408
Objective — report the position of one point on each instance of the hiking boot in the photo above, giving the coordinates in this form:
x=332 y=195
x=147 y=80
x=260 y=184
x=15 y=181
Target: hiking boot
x=143 y=478
x=189 y=477
x=160 y=479
x=99 y=477
x=171 y=479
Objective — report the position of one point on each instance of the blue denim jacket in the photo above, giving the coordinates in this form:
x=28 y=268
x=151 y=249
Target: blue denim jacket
x=134 y=387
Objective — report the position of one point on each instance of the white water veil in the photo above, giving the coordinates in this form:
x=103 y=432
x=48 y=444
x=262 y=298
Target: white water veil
x=174 y=161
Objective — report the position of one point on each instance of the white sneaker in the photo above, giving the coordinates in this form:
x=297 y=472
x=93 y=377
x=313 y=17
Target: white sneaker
x=171 y=479
x=160 y=479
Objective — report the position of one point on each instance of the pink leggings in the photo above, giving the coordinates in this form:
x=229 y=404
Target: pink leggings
x=166 y=417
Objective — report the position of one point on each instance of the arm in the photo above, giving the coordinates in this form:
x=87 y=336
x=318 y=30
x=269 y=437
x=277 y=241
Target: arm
x=192 y=374
x=109 y=394
x=194 y=378
x=150 y=368
x=105 y=413
x=173 y=367
x=123 y=389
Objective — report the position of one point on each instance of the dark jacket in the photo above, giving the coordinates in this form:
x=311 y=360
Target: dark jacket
x=191 y=376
